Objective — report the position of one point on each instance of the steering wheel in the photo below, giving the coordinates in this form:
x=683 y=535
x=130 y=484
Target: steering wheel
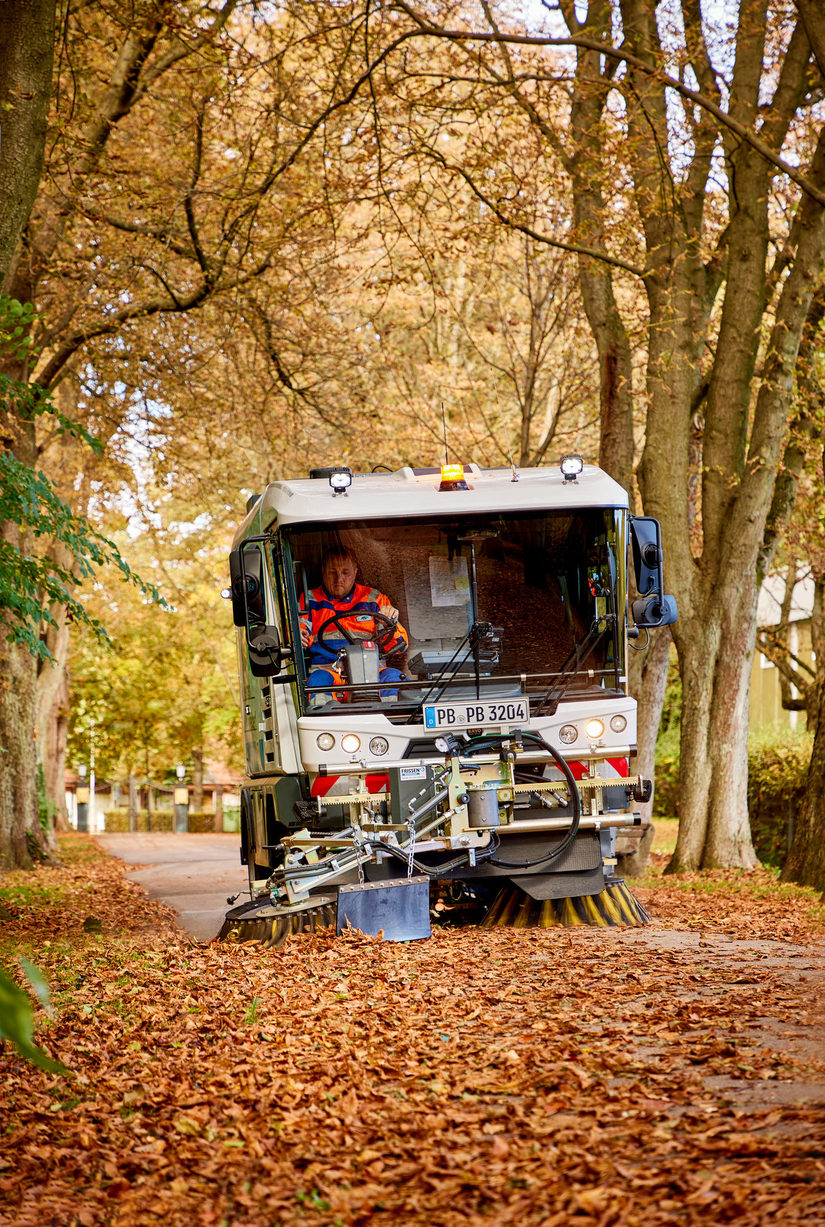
x=381 y=637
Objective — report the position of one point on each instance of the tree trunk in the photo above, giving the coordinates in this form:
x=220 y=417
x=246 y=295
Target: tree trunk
x=52 y=715
x=20 y=833
x=716 y=654
x=806 y=859
x=648 y=682
x=26 y=56
x=19 y=822
x=218 y=809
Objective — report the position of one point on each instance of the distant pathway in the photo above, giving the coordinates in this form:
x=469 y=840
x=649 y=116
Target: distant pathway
x=191 y=873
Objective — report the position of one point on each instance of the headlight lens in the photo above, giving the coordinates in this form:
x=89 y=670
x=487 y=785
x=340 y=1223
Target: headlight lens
x=350 y=743
x=594 y=729
x=379 y=745
x=618 y=724
x=325 y=741
x=568 y=734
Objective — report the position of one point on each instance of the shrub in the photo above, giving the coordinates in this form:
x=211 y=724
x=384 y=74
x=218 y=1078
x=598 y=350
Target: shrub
x=777 y=772
x=666 y=775
x=164 y=820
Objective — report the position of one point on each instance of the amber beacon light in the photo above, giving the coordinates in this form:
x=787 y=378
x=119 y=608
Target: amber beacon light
x=452 y=477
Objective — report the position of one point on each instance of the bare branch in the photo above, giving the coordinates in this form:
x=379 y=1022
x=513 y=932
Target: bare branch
x=595 y=253
x=746 y=134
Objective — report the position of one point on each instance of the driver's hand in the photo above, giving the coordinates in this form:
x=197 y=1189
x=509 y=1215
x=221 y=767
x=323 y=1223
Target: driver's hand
x=305 y=635
x=389 y=611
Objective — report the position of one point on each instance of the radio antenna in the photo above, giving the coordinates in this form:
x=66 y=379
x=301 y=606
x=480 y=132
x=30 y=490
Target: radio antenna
x=444 y=423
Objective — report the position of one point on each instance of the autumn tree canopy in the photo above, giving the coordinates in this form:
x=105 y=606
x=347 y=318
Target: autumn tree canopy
x=266 y=236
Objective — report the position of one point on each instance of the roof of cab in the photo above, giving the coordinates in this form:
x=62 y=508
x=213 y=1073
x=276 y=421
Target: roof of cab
x=409 y=493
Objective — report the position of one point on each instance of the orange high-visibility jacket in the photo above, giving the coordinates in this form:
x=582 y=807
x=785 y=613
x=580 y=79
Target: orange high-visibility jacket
x=361 y=604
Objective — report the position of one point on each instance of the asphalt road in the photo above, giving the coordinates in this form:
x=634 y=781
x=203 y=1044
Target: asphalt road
x=191 y=873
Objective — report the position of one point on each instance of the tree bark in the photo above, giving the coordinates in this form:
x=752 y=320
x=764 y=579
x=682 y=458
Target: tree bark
x=52 y=712
x=806 y=859
x=20 y=834
x=26 y=57
x=648 y=673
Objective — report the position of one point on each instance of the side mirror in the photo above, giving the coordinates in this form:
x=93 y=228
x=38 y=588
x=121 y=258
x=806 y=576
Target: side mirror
x=646 y=539
x=652 y=608
x=246 y=581
x=266 y=656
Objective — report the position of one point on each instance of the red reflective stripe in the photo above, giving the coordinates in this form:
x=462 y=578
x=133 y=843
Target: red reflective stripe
x=321 y=785
x=620 y=765
x=375 y=783
x=578 y=769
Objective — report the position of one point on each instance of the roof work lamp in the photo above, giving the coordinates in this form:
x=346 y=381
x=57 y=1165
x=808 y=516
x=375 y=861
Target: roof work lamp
x=571 y=465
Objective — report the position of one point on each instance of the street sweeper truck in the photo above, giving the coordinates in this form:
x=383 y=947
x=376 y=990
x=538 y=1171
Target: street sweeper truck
x=436 y=716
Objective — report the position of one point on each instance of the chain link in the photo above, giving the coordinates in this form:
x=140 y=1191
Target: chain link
x=411 y=847
x=357 y=844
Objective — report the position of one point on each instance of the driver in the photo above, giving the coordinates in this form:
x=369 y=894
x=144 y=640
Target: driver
x=339 y=595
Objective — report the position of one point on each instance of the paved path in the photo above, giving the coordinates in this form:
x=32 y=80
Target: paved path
x=192 y=873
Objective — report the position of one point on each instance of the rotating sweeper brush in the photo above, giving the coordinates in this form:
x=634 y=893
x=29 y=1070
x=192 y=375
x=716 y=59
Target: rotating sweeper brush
x=270 y=924
x=615 y=906
x=396 y=910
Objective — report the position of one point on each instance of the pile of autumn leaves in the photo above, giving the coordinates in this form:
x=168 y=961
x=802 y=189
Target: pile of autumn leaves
x=506 y=1076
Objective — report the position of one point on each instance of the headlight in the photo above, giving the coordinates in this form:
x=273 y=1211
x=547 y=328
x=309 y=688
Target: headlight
x=379 y=745
x=350 y=743
x=568 y=734
x=594 y=729
x=325 y=741
x=618 y=724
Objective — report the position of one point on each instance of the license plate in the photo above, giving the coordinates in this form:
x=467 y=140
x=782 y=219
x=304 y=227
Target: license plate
x=476 y=713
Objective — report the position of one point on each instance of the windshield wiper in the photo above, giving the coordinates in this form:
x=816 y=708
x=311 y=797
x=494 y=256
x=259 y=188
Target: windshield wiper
x=483 y=640
x=557 y=689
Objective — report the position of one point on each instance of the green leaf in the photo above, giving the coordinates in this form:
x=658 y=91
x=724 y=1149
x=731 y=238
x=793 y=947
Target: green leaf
x=17 y=1021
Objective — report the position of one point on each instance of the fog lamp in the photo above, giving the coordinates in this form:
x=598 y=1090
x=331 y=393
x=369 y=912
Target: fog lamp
x=325 y=741
x=618 y=724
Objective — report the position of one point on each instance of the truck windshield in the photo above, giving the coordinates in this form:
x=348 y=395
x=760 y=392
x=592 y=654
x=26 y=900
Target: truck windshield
x=493 y=605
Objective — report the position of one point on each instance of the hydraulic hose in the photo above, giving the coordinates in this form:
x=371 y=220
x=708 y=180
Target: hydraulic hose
x=575 y=800
x=435 y=871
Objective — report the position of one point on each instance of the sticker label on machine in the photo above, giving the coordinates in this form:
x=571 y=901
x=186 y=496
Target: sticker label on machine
x=475 y=714
x=412 y=773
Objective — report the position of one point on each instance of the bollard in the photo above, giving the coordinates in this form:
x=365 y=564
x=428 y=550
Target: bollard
x=181 y=810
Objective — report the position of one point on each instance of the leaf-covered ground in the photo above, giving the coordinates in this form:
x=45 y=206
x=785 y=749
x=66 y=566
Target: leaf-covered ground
x=585 y=1077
